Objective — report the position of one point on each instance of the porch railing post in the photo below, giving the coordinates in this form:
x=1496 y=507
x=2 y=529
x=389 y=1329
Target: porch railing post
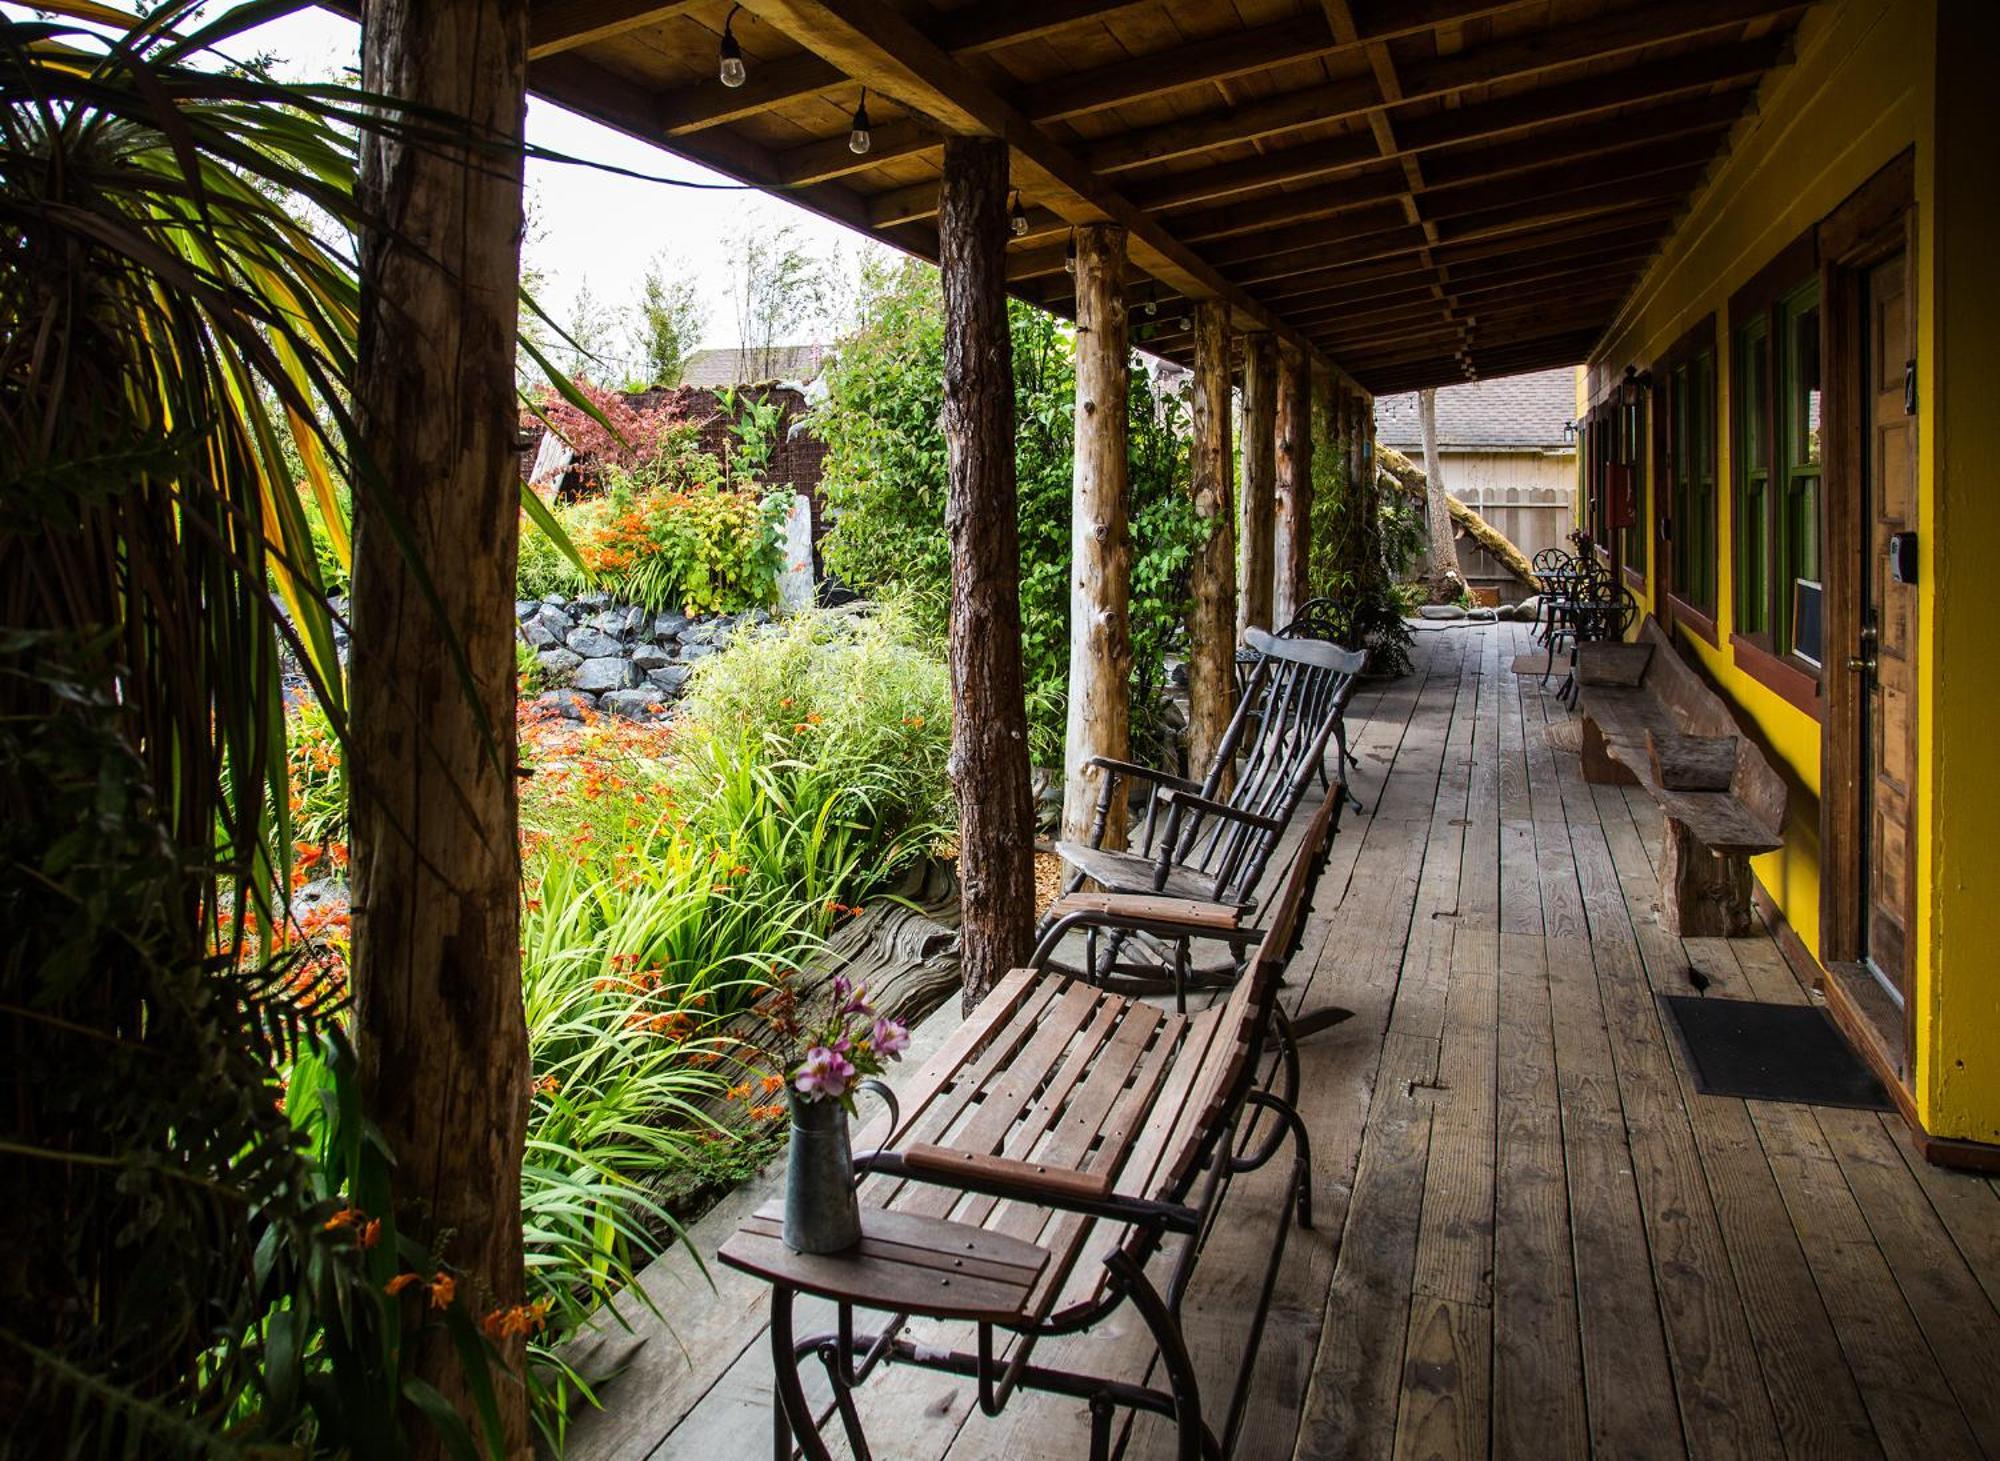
x=1100 y=643
x=1253 y=604
x=1293 y=531
x=1211 y=657
x=989 y=729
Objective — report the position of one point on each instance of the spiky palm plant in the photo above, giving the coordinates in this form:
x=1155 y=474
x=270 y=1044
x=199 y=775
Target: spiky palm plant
x=174 y=335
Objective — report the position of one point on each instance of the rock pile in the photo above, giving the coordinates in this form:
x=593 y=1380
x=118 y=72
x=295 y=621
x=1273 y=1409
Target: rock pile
x=618 y=658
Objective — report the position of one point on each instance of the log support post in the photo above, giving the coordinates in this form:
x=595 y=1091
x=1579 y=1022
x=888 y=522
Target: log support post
x=436 y=871
x=1293 y=535
x=1260 y=440
x=989 y=728
x=1100 y=643
x=1212 y=619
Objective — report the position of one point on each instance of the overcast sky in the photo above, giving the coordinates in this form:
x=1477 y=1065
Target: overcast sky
x=589 y=225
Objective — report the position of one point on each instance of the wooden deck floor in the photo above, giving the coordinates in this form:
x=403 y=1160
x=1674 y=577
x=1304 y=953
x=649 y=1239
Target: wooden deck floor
x=1534 y=1239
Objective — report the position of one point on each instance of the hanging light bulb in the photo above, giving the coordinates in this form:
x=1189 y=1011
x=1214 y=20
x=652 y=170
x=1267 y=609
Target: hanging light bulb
x=1152 y=305
x=1185 y=323
x=731 y=71
x=1069 y=254
x=1017 y=218
x=860 y=139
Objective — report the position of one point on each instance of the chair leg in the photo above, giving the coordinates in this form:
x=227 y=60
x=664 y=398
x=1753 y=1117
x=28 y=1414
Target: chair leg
x=1193 y=1440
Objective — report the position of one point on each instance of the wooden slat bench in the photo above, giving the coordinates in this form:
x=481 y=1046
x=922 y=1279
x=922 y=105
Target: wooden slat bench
x=1059 y=1121
x=1722 y=801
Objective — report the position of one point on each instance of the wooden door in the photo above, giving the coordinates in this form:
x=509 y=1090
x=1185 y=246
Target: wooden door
x=1888 y=624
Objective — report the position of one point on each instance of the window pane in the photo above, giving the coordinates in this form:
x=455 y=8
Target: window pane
x=1805 y=388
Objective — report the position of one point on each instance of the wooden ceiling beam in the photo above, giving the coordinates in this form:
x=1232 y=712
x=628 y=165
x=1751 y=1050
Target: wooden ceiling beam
x=1581 y=337
x=555 y=26
x=1614 y=34
x=1507 y=274
x=1358 y=342
x=875 y=45
x=1736 y=65
x=1309 y=246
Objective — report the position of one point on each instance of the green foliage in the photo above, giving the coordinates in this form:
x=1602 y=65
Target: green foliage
x=844 y=704
x=886 y=476
x=318 y=775
x=708 y=550
x=668 y=321
x=1353 y=566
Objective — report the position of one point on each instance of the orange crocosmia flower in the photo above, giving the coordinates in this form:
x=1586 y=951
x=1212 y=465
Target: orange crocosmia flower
x=771 y=1083
x=400 y=1282
x=347 y=1217
x=546 y=1085
x=739 y=1092
x=371 y=1232
x=444 y=1288
x=766 y=1113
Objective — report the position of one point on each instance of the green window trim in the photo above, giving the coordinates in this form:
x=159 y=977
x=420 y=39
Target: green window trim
x=1688 y=476
x=1777 y=466
x=1749 y=388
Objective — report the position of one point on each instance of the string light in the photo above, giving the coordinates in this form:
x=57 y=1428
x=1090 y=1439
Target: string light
x=730 y=68
x=860 y=139
x=1017 y=218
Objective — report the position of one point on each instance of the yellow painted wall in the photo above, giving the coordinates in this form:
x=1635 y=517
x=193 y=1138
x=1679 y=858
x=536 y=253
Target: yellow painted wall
x=1874 y=77
x=1958 y=897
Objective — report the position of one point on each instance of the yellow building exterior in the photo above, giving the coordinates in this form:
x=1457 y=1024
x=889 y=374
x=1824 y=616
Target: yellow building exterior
x=1881 y=95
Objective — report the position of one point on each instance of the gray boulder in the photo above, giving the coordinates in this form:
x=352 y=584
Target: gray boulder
x=634 y=704
x=555 y=621
x=527 y=608
x=559 y=663
x=700 y=649
x=669 y=679
x=569 y=704
x=537 y=634
x=592 y=643
x=1441 y=611
x=606 y=672
x=608 y=621
x=555 y=600
x=594 y=600
x=650 y=657
x=670 y=625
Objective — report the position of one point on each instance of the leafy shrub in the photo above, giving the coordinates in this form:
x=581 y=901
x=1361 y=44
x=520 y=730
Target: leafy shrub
x=1358 y=576
x=830 y=702
x=707 y=550
x=886 y=475
x=318 y=776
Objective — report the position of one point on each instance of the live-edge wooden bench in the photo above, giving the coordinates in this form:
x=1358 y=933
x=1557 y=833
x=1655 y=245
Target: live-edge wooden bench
x=1059 y=1120
x=1721 y=800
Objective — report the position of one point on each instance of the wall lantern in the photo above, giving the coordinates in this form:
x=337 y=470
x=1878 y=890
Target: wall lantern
x=730 y=69
x=1017 y=218
x=1631 y=423
x=1069 y=254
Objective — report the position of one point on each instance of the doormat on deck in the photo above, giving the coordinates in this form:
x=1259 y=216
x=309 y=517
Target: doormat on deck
x=1772 y=1052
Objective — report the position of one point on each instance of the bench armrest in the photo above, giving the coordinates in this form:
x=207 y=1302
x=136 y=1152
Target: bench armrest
x=1147 y=913
x=1208 y=806
x=1142 y=773
x=1029 y=1182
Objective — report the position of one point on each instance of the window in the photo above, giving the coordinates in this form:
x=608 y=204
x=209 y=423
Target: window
x=1632 y=438
x=1776 y=399
x=1684 y=383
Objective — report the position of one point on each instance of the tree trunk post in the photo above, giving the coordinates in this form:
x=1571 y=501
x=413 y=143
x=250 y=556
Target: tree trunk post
x=1212 y=619
x=1441 y=544
x=436 y=868
x=1100 y=585
x=989 y=724
x=1260 y=441
x=1294 y=485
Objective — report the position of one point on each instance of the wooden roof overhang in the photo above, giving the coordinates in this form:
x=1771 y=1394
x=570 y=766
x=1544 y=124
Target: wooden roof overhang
x=1415 y=191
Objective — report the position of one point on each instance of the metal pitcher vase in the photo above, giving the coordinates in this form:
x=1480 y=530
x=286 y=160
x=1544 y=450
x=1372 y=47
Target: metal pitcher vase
x=821 y=1213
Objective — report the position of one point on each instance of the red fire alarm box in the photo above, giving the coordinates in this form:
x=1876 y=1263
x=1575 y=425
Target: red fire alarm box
x=1621 y=506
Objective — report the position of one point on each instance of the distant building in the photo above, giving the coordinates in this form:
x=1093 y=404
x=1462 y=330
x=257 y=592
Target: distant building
x=794 y=364
x=1504 y=452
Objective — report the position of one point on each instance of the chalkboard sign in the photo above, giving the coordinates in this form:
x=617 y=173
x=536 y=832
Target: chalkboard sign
x=1808 y=628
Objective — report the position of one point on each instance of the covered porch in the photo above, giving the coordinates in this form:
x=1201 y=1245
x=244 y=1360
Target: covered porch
x=1534 y=1237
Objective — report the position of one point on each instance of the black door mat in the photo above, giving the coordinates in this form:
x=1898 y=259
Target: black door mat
x=1772 y=1052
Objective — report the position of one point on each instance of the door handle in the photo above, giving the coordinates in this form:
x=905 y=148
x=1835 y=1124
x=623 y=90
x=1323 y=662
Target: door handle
x=1861 y=665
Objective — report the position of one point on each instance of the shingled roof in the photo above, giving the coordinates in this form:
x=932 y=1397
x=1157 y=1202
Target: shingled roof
x=1510 y=413
x=729 y=367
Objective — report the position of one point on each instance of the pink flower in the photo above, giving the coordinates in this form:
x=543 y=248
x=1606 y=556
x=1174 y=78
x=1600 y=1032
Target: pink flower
x=890 y=1038
x=851 y=1001
x=826 y=1073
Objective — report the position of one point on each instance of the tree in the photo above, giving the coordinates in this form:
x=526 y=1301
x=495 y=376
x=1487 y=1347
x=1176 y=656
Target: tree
x=1446 y=581
x=667 y=321
x=588 y=327
x=780 y=289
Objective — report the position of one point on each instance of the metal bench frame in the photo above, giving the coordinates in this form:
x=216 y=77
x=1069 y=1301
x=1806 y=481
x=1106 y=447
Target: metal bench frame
x=1250 y=1118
